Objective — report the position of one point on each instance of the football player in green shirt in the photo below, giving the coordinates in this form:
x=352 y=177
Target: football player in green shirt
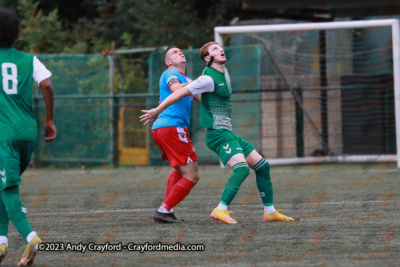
x=215 y=114
x=19 y=134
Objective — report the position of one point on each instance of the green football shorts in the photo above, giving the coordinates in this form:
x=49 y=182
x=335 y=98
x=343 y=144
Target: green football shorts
x=15 y=156
x=226 y=144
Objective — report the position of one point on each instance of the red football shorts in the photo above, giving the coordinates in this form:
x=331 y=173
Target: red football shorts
x=175 y=145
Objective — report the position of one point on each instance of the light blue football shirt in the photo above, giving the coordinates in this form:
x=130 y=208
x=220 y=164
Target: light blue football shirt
x=178 y=114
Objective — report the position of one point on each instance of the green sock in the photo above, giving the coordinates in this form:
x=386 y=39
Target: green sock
x=16 y=211
x=264 y=183
x=3 y=218
x=240 y=172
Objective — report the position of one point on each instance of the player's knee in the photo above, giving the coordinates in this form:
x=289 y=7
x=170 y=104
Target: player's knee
x=13 y=202
x=242 y=170
x=195 y=177
x=246 y=171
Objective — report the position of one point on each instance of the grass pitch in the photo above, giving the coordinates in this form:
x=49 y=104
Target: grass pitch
x=349 y=216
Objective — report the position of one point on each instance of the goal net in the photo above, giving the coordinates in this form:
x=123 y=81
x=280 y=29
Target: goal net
x=329 y=91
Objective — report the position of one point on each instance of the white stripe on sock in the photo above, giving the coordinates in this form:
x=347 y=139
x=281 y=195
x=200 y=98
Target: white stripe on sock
x=238 y=165
x=258 y=163
x=255 y=169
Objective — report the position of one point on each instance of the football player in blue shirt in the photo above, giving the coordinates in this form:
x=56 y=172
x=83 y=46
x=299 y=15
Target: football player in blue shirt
x=170 y=133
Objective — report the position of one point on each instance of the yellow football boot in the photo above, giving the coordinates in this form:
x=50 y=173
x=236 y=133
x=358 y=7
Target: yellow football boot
x=223 y=216
x=30 y=252
x=276 y=216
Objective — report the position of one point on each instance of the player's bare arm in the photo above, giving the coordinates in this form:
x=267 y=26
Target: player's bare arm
x=48 y=95
x=197 y=98
x=152 y=114
x=202 y=84
x=177 y=86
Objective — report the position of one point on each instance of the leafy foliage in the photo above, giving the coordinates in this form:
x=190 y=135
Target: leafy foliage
x=39 y=33
x=89 y=26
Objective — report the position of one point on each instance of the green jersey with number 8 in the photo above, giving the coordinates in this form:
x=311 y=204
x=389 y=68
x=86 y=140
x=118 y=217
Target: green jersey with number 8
x=17 y=120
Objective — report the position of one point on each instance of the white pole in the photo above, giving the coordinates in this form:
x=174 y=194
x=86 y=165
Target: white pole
x=304 y=26
x=111 y=107
x=329 y=159
x=396 y=82
x=218 y=38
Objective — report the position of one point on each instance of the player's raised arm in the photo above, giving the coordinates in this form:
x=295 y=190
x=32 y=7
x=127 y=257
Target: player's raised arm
x=203 y=84
x=177 y=86
x=152 y=114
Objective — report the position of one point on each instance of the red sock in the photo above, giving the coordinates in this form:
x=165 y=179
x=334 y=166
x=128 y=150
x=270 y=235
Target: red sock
x=173 y=178
x=178 y=193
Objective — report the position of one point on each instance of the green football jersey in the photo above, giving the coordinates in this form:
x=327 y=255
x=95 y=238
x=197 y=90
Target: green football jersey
x=216 y=107
x=17 y=120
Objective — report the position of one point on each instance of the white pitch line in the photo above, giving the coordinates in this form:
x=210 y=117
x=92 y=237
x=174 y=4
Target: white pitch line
x=187 y=208
x=79 y=172
x=289 y=170
x=67 y=213
x=335 y=171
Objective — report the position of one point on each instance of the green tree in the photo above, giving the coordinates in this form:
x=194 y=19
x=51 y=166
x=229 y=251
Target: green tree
x=40 y=33
x=168 y=22
x=89 y=26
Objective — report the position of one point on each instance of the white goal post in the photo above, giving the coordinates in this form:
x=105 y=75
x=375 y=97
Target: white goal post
x=395 y=31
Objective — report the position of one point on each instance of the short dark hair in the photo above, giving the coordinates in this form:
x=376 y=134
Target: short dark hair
x=9 y=27
x=164 y=55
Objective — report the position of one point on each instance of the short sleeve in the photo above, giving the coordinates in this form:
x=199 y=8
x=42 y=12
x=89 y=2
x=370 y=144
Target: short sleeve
x=40 y=72
x=172 y=77
x=171 y=80
x=203 y=84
